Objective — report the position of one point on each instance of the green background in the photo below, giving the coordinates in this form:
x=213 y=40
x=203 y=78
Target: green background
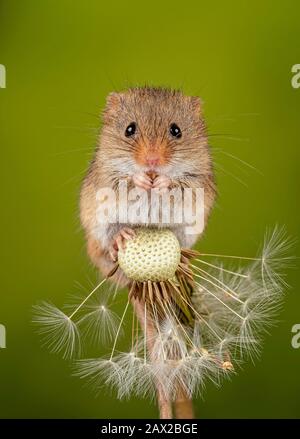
x=62 y=59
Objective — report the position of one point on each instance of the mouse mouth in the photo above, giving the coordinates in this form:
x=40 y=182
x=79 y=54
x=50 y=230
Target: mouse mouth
x=152 y=173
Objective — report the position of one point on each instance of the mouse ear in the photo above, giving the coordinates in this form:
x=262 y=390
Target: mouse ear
x=112 y=99
x=196 y=104
x=112 y=103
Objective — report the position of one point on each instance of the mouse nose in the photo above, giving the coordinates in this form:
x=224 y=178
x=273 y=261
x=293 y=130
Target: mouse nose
x=152 y=160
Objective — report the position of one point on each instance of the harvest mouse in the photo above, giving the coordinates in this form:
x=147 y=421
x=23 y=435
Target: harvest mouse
x=155 y=138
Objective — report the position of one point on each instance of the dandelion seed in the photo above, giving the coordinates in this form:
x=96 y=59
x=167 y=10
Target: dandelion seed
x=171 y=344
x=100 y=324
x=59 y=332
x=137 y=375
x=275 y=258
x=99 y=372
x=58 y=329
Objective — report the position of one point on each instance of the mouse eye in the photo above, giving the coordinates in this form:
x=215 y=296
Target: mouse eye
x=175 y=131
x=131 y=129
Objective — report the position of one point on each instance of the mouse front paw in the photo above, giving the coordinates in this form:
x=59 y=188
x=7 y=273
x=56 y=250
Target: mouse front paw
x=162 y=182
x=119 y=241
x=142 y=181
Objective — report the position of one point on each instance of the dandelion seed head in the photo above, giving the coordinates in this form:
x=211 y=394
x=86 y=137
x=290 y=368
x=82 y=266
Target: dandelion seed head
x=195 y=336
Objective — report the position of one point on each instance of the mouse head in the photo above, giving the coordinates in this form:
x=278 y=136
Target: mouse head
x=154 y=130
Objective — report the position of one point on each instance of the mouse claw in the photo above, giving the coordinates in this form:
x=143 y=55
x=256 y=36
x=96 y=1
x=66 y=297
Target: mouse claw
x=113 y=254
x=162 y=182
x=119 y=241
x=142 y=181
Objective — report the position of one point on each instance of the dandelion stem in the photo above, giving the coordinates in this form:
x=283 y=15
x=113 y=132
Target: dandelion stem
x=145 y=333
x=200 y=316
x=230 y=256
x=218 y=298
x=228 y=290
x=132 y=331
x=222 y=269
x=184 y=331
x=116 y=288
x=118 y=331
x=184 y=406
x=156 y=322
x=87 y=298
x=164 y=404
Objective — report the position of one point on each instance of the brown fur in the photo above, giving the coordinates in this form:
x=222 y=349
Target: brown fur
x=186 y=161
